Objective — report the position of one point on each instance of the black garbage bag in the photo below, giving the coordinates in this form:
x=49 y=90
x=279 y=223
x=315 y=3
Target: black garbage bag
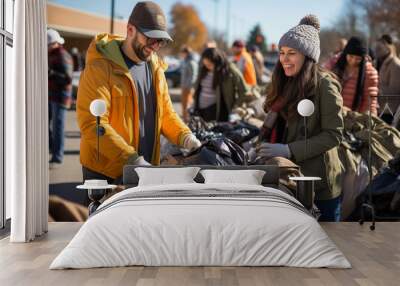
x=239 y=155
x=219 y=151
x=205 y=156
x=213 y=139
x=199 y=127
x=219 y=146
x=238 y=132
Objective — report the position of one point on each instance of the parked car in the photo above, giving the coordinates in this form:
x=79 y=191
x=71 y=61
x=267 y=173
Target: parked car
x=173 y=76
x=173 y=73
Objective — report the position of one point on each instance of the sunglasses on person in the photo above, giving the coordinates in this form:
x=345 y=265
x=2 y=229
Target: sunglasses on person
x=151 y=41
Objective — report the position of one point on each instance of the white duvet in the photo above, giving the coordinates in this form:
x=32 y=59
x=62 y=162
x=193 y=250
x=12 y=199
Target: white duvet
x=184 y=230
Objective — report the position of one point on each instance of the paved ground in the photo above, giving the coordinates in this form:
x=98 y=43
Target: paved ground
x=64 y=178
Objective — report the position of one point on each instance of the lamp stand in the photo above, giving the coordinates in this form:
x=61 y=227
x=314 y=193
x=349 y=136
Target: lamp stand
x=305 y=137
x=98 y=136
x=369 y=204
x=95 y=195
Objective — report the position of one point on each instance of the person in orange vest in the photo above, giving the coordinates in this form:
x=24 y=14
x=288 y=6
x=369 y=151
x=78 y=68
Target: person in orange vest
x=244 y=62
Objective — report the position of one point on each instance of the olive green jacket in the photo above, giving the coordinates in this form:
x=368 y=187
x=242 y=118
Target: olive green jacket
x=324 y=134
x=233 y=88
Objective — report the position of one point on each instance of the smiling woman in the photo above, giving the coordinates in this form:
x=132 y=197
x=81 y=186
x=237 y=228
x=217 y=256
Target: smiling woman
x=297 y=76
x=291 y=61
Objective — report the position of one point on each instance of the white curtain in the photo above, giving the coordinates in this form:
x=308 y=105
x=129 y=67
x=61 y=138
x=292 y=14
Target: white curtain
x=27 y=172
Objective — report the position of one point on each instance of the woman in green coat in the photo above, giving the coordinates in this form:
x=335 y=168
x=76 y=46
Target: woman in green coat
x=219 y=88
x=297 y=76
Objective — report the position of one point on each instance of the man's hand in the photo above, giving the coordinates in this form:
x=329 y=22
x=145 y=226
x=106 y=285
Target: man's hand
x=267 y=151
x=138 y=161
x=191 y=143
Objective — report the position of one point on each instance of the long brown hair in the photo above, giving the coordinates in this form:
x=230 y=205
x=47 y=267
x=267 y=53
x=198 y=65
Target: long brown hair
x=339 y=70
x=219 y=59
x=292 y=89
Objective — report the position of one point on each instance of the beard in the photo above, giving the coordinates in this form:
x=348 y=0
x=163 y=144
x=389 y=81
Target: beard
x=139 y=50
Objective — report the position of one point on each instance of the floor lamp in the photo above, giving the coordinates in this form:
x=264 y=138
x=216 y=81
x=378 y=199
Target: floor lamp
x=369 y=204
x=97 y=188
x=306 y=184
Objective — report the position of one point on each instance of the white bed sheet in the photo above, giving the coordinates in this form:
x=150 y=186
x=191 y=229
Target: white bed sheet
x=200 y=231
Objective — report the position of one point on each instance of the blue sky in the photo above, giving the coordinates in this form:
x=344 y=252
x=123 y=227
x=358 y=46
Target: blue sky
x=275 y=16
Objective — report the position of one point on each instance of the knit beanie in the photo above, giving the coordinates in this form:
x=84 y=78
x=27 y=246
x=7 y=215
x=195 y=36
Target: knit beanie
x=356 y=46
x=304 y=37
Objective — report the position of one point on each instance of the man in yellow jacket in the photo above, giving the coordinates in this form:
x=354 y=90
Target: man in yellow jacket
x=128 y=75
x=244 y=62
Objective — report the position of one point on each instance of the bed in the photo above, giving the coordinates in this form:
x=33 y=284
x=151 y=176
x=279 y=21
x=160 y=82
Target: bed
x=201 y=224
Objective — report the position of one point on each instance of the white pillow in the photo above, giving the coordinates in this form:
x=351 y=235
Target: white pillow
x=163 y=176
x=248 y=177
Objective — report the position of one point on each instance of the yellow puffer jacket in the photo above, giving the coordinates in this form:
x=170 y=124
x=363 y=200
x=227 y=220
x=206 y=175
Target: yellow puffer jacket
x=107 y=77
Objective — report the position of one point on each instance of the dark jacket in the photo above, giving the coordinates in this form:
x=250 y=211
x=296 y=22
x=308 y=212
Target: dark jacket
x=324 y=134
x=60 y=68
x=233 y=89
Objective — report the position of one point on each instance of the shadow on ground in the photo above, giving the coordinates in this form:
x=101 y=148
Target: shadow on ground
x=71 y=152
x=69 y=192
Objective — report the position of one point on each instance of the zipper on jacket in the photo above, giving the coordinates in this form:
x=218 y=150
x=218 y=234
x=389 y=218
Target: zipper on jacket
x=157 y=115
x=135 y=99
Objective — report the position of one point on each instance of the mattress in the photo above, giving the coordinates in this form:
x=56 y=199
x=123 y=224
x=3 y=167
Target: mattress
x=201 y=225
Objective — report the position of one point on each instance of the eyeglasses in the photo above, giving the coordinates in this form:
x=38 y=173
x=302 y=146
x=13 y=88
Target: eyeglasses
x=161 y=42
x=151 y=41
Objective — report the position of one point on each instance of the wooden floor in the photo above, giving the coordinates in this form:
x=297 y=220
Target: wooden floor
x=375 y=257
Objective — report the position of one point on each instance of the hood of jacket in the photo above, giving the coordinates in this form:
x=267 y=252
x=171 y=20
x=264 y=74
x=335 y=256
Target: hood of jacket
x=107 y=46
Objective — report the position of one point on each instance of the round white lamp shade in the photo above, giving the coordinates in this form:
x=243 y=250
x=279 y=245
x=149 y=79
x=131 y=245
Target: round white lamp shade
x=305 y=107
x=98 y=107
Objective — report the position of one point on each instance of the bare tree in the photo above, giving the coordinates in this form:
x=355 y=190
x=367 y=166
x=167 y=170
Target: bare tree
x=370 y=18
x=382 y=16
x=351 y=23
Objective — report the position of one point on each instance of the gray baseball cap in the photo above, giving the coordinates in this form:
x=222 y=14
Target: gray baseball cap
x=149 y=18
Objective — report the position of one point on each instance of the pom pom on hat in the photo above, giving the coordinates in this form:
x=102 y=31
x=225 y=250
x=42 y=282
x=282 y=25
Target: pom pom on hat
x=311 y=20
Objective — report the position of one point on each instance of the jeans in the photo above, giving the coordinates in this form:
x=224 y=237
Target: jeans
x=88 y=174
x=330 y=209
x=56 y=131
